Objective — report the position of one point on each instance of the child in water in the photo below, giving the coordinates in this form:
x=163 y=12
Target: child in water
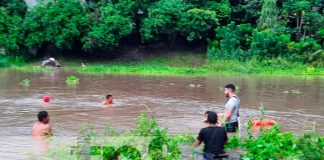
x=109 y=100
x=42 y=128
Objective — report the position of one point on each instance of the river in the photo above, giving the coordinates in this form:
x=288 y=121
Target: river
x=178 y=101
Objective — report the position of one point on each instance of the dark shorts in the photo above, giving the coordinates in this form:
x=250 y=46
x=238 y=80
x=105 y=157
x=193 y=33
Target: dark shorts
x=231 y=127
x=209 y=156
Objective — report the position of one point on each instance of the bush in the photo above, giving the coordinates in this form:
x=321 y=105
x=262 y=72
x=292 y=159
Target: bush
x=269 y=44
x=6 y=61
x=316 y=58
x=232 y=42
x=302 y=51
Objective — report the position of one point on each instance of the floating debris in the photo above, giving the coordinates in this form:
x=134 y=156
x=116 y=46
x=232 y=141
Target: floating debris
x=296 y=91
x=195 y=85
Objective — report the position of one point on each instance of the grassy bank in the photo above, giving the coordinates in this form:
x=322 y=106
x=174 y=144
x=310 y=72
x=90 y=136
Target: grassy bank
x=191 y=64
x=194 y=64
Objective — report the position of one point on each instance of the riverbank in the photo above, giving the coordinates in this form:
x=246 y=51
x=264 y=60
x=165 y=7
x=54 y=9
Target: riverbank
x=192 y=64
x=145 y=142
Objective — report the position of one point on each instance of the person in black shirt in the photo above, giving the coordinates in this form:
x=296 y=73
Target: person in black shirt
x=214 y=137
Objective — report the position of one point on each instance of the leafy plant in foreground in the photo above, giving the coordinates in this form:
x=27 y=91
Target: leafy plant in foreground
x=271 y=143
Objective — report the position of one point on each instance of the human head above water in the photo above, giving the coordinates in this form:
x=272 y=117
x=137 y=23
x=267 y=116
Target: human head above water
x=211 y=117
x=43 y=117
x=108 y=96
x=229 y=89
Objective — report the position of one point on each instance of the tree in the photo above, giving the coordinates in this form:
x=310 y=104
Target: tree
x=108 y=30
x=197 y=23
x=17 y=7
x=304 y=17
x=61 y=23
x=232 y=42
x=246 y=11
x=268 y=18
x=221 y=7
x=162 y=19
x=11 y=32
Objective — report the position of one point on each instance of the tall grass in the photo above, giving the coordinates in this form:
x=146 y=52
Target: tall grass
x=188 y=65
x=7 y=61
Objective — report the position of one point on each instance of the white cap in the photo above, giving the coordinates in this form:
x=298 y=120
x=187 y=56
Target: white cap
x=52 y=59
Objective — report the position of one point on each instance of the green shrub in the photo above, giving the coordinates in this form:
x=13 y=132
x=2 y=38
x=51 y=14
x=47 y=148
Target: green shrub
x=228 y=45
x=7 y=61
x=269 y=44
x=232 y=42
x=25 y=82
x=316 y=58
x=72 y=80
x=304 y=50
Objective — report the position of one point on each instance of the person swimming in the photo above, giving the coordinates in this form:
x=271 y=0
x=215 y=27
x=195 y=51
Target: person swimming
x=42 y=128
x=109 y=100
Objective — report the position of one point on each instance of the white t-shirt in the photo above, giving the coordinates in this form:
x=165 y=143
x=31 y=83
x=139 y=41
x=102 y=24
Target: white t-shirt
x=233 y=103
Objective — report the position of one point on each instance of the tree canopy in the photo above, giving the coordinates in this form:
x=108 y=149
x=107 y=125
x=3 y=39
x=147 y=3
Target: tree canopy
x=234 y=29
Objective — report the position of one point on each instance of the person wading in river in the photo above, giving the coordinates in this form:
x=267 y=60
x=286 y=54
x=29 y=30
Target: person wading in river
x=42 y=128
x=108 y=101
x=232 y=107
x=214 y=137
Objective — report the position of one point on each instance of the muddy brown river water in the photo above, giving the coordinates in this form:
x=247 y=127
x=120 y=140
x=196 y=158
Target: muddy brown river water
x=177 y=101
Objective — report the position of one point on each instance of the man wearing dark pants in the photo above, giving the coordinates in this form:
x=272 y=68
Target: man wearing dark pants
x=232 y=107
x=214 y=137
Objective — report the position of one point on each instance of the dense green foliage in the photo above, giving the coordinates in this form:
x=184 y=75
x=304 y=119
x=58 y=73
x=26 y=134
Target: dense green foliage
x=148 y=136
x=270 y=143
x=235 y=29
x=273 y=144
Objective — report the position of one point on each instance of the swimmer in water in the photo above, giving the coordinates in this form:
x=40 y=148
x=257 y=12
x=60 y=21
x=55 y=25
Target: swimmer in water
x=42 y=128
x=109 y=100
